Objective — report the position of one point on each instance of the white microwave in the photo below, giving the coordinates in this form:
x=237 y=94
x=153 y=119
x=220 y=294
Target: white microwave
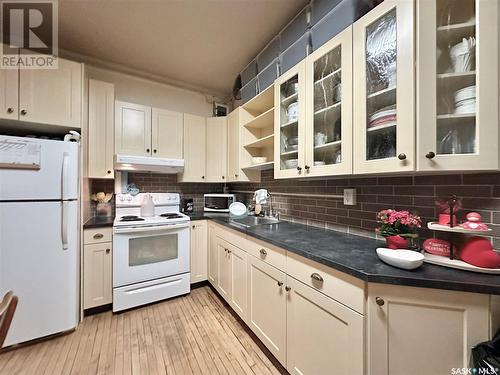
x=217 y=202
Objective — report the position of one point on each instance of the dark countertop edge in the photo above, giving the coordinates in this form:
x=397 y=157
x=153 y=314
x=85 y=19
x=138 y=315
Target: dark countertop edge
x=98 y=222
x=367 y=277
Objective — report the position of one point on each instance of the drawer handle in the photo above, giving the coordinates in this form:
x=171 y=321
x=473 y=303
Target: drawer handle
x=98 y=236
x=280 y=283
x=263 y=252
x=379 y=301
x=287 y=288
x=317 y=277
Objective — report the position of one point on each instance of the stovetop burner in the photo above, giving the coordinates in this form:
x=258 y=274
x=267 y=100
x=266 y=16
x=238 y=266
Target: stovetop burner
x=131 y=218
x=171 y=215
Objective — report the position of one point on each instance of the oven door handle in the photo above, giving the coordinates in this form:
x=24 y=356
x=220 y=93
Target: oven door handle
x=156 y=228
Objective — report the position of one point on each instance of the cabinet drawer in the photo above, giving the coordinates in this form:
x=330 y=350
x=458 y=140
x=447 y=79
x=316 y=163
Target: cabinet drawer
x=342 y=287
x=233 y=237
x=273 y=255
x=97 y=235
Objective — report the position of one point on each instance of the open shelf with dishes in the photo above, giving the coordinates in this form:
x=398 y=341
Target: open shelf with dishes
x=257 y=133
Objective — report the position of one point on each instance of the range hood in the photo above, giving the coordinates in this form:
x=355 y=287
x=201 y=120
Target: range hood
x=148 y=164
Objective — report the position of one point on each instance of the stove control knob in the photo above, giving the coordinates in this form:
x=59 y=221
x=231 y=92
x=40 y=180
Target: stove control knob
x=122 y=198
x=129 y=198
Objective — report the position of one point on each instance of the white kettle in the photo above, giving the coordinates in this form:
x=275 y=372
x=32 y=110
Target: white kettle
x=147 y=206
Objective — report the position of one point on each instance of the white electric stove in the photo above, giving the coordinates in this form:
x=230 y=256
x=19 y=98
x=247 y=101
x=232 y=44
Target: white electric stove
x=150 y=254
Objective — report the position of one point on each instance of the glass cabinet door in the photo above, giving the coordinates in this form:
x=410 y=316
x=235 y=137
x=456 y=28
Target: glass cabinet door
x=458 y=84
x=289 y=123
x=329 y=108
x=384 y=95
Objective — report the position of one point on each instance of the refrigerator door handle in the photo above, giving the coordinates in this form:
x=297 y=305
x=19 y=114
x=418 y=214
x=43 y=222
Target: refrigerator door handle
x=64 y=229
x=64 y=175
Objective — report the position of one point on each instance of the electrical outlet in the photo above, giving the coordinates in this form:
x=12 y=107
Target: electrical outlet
x=350 y=197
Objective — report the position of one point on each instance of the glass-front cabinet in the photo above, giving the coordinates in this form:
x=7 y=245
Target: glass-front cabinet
x=289 y=123
x=328 y=132
x=457 y=85
x=383 y=71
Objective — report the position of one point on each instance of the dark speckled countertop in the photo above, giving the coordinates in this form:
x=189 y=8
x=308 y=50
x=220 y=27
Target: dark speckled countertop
x=98 y=222
x=356 y=256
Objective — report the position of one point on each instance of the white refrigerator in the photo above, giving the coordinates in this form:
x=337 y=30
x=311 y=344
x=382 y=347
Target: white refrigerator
x=39 y=235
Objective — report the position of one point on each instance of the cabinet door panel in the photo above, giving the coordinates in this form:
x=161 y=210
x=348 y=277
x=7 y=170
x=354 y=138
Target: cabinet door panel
x=199 y=251
x=332 y=333
x=194 y=149
x=212 y=255
x=384 y=123
x=9 y=87
x=97 y=275
x=239 y=286
x=328 y=139
x=132 y=129
x=289 y=123
x=101 y=129
x=267 y=306
x=167 y=133
x=216 y=159
x=457 y=96
x=52 y=96
x=224 y=269
x=402 y=335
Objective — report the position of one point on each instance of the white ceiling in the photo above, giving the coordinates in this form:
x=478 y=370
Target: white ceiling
x=200 y=44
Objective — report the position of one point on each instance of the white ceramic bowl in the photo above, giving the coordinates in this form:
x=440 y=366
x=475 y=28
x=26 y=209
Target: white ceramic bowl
x=292 y=163
x=259 y=159
x=405 y=259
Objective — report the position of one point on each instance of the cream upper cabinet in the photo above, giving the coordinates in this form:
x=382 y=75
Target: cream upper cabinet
x=194 y=149
x=328 y=135
x=52 y=96
x=224 y=269
x=9 y=91
x=216 y=157
x=384 y=121
x=167 y=133
x=132 y=129
x=233 y=146
x=267 y=306
x=402 y=327
x=199 y=251
x=213 y=272
x=332 y=333
x=289 y=123
x=457 y=85
x=101 y=129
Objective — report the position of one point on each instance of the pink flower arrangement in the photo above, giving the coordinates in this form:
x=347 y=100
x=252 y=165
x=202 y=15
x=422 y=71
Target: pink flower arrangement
x=402 y=223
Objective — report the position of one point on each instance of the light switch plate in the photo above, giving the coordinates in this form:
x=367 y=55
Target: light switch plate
x=350 y=197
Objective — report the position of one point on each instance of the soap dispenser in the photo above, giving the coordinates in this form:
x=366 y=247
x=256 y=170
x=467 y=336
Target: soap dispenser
x=147 y=206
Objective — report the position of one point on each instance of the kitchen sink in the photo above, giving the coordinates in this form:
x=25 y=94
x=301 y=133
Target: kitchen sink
x=252 y=221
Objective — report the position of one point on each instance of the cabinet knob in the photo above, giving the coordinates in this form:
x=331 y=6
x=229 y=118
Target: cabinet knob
x=402 y=156
x=24 y=112
x=299 y=168
x=193 y=227
x=10 y=110
x=263 y=252
x=317 y=277
x=98 y=236
x=379 y=301
x=147 y=150
x=222 y=177
x=203 y=177
x=280 y=283
x=154 y=151
x=287 y=288
x=229 y=251
x=307 y=167
x=109 y=172
x=430 y=155
x=236 y=175
x=108 y=251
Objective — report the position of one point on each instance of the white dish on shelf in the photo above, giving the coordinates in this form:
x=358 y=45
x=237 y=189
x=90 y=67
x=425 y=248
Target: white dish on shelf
x=291 y=163
x=468 y=92
x=457 y=264
x=259 y=159
x=456 y=229
x=237 y=209
x=319 y=163
x=405 y=259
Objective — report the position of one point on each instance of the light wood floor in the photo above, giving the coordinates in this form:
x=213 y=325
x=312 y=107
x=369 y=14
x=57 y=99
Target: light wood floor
x=193 y=334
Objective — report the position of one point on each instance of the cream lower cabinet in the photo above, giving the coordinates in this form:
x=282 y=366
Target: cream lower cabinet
x=194 y=149
x=423 y=331
x=213 y=272
x=101 y=129
x=199 y=251
x=224 y=269
x=323 y=336
x=267 y=306
x=97 y=268
x=216 y=157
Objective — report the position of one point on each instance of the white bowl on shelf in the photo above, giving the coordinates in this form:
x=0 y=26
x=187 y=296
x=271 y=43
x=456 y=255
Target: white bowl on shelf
x=292 y=163
x=405 y=259
x=259 y=159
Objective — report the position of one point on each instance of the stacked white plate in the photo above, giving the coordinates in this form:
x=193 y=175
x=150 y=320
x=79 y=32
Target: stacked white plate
x=465 y=100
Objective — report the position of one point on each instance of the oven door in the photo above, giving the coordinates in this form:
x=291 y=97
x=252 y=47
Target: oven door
x=147 y=253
